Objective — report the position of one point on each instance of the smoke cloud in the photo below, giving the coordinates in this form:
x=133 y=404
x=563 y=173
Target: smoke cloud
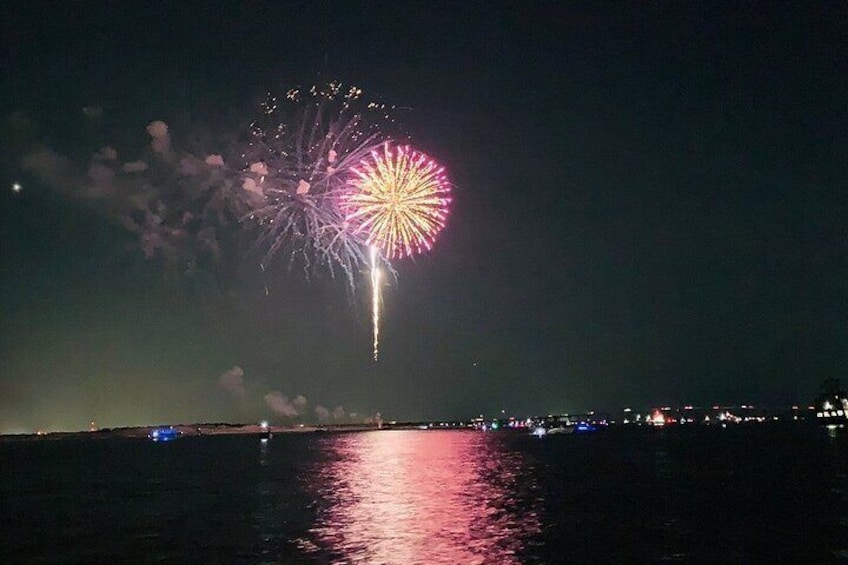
x=106 y=154
x=281 y=405
x=233 y=381
x=214 y=161
x=50 y=167
x=93 y=112
x=161 y=140
x=182 y=205
x=322 y=413
x=134 y=167
x=376 y=419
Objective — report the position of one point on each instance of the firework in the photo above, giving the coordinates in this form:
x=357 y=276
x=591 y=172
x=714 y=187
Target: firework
x=300 y=154
x=398 y=200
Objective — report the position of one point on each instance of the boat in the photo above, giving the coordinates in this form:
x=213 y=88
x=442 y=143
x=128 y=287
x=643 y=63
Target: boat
x=164 y=434
x=541 y=431
x=832 y=404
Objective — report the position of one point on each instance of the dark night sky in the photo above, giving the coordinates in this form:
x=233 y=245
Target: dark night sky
x=650 y=207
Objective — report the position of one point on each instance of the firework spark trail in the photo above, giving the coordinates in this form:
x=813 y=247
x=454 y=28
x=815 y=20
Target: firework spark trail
x=375 y=300
x=301 y=152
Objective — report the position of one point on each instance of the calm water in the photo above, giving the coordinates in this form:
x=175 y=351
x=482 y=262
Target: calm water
x=753 y=495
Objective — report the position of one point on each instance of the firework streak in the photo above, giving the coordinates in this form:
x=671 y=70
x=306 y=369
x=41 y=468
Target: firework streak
x=297 y=162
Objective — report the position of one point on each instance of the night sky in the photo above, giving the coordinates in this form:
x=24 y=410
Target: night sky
x=649 y=208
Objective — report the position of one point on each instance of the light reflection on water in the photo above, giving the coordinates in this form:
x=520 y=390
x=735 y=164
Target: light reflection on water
x=422 y=497
x=701 y=495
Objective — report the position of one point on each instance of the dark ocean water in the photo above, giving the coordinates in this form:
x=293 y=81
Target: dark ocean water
x=761 y=494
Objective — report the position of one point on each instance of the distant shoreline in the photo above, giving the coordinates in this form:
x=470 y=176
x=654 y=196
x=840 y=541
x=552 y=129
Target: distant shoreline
x=191 y=430
x=256 y=430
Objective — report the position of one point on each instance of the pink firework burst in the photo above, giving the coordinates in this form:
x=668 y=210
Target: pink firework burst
x=398 y=198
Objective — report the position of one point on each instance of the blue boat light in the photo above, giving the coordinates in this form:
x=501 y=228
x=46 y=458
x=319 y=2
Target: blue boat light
x=164 y=434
